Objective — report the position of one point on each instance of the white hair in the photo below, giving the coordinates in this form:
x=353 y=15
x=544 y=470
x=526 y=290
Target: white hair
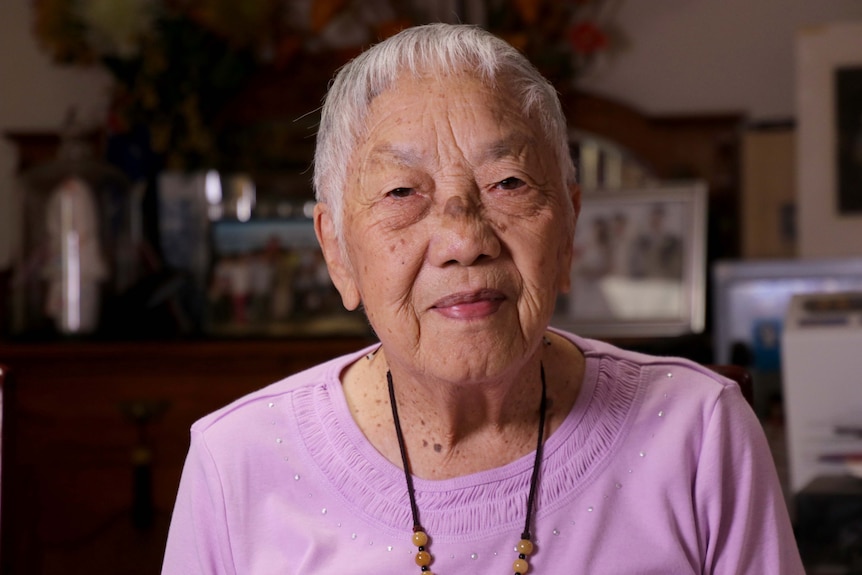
x=441 y=48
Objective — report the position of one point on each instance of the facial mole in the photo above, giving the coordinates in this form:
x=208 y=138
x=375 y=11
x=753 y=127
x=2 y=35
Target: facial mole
x=438 y=448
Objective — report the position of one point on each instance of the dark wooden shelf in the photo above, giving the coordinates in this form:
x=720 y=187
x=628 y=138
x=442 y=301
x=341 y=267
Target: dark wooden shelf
x=95 y=435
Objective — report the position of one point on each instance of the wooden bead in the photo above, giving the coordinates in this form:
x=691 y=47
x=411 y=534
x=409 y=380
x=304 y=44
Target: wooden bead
x=520 y=566
x=423 y=558
x=525 y=546
x=420 y=539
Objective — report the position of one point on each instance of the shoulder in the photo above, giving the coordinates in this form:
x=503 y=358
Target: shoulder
x=235 y=413
x=632 y=403
x=680 y=405
x=684 y=377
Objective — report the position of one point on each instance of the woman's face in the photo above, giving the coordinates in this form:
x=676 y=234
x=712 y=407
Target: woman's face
x=457 y=229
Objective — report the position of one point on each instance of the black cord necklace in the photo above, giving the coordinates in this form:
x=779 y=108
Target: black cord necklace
x=420 y=538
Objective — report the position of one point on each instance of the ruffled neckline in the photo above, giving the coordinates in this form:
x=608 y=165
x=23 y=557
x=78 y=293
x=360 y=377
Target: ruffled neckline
x=487 y=502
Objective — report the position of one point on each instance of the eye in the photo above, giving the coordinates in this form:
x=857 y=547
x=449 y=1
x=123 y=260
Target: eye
x=401 y=192
x=510 y=184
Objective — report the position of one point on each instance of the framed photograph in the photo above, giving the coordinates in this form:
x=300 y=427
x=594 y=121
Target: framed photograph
x=639 y=264
x=829 y=139
x=269 y=278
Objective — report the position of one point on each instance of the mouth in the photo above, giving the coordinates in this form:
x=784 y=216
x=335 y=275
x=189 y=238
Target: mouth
x=470 y=304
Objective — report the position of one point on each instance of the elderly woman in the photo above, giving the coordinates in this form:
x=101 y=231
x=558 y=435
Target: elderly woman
x=473 y=438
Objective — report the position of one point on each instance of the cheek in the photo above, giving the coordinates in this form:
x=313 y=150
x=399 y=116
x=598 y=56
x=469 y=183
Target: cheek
x=547 y=253
x=397 y=248
x=387 y=263
x=387 y=266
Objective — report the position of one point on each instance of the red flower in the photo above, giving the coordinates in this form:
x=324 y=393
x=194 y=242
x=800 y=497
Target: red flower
x=586 y=38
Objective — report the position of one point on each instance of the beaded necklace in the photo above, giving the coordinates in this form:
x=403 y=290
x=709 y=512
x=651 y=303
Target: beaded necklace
x=420 y=538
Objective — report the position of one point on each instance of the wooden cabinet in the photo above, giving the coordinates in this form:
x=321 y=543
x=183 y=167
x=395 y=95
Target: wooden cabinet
x=95 y=435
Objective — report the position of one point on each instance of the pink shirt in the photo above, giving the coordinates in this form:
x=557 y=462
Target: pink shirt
x=660 y=468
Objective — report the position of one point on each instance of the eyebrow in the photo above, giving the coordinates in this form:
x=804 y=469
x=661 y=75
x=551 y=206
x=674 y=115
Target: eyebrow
x=507 y=146
x=400 y=154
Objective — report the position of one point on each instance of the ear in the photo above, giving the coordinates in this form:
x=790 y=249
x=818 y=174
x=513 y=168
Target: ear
x=575 y=194
x=564 y=282
x=337 y=261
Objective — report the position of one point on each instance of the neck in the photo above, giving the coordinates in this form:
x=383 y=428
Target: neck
x=458 y=410
x=457 y=428
x=471 y=427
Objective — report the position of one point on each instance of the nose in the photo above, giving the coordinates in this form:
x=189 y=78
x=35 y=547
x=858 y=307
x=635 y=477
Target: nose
x=465 y=235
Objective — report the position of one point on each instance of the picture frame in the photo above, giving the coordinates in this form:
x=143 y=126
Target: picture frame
x=268 y=278
x=639 y=265
x=828 y=169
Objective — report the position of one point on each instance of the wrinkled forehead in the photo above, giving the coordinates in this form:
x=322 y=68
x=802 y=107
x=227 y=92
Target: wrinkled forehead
x=415 y=100
x=438 y=91
x=430 y=83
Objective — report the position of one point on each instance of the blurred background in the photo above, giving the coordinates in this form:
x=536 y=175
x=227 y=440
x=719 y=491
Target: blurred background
x=179 y=133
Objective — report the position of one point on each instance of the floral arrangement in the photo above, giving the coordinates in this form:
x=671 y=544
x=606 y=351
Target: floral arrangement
x=563 y=38
x=177 y=63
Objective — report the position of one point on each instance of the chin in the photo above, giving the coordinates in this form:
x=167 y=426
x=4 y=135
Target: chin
x=476 y=359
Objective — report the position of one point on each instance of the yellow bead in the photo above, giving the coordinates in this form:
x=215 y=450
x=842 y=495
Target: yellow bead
x=525 y=546
x=420 y=539
x=520 y=566
x=423 y=558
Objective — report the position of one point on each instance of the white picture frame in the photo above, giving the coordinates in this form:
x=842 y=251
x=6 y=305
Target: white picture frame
x=640 y=263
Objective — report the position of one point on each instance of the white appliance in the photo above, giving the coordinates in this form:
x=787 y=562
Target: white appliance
x=821 y=363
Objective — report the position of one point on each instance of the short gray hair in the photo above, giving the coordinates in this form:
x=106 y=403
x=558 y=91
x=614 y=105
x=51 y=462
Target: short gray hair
x=444 y=48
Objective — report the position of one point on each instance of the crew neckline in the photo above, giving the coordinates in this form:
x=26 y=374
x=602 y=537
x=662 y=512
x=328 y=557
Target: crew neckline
x=489 y=501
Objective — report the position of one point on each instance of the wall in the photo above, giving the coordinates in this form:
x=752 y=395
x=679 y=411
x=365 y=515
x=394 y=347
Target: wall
x=691 y=56
x=823 y=230
x=686 y=56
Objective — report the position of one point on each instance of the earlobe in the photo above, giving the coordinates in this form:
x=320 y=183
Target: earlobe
x=340 y=270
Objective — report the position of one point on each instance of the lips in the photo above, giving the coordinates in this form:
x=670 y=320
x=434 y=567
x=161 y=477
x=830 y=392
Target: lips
x=471 y=304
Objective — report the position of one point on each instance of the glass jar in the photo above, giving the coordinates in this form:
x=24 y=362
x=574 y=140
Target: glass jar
x=79 y=244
